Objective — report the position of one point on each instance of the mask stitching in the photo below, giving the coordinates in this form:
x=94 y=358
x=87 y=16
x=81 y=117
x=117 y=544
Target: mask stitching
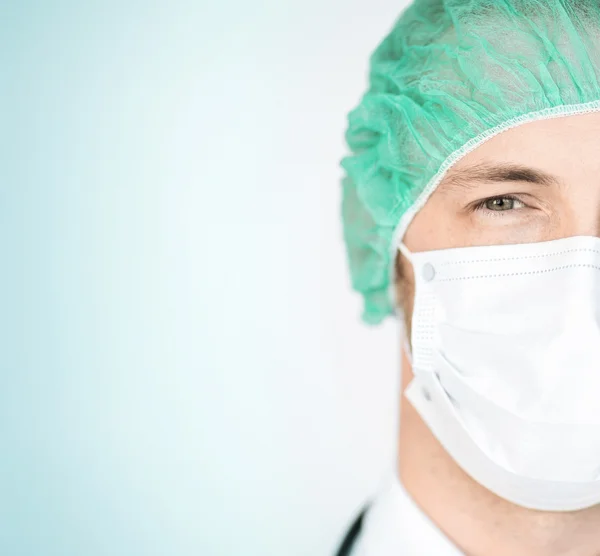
x=520 y=273
x=522 y=257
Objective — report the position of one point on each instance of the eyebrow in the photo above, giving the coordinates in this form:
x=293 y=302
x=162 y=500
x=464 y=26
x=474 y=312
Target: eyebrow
x=465 y=177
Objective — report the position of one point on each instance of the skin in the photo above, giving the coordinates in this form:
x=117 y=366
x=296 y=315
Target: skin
x=568 y=148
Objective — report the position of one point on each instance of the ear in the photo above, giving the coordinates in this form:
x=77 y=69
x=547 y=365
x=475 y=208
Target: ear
x=405 y=291
x=406 y=366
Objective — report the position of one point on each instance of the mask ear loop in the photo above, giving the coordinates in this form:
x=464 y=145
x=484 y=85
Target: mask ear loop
x=406 y=252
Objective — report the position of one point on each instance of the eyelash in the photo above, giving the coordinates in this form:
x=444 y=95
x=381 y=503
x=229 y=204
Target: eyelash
x=480 y=205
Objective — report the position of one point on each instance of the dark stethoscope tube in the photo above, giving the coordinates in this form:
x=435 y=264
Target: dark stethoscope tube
x=347 y=543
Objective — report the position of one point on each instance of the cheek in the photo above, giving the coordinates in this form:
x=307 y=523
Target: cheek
x=583 y=215
x=436 y=226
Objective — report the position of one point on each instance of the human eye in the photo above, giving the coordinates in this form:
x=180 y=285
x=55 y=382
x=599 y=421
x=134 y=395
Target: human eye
x=498 y=204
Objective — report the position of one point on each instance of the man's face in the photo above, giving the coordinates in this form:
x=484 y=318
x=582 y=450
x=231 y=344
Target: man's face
x=536 y=182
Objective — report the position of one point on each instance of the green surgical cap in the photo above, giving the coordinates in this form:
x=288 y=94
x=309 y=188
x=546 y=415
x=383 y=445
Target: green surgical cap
x=450 y=75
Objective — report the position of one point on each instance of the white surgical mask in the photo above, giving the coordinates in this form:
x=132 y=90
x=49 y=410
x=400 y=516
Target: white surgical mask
x=506 y=362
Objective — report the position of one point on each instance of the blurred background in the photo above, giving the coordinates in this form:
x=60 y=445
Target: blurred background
x=183 y=370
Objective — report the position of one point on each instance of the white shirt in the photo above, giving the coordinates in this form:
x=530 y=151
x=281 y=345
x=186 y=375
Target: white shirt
x=395 y=526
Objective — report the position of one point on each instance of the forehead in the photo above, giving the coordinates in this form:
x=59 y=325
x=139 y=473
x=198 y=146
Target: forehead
x=566 y=146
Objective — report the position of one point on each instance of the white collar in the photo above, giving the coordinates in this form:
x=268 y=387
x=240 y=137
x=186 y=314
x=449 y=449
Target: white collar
x=394 y=525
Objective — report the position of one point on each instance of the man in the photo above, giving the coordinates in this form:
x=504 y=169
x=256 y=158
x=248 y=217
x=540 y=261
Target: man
x=472 y=204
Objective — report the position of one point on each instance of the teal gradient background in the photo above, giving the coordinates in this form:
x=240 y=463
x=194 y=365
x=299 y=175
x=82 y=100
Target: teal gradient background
x=177 y=374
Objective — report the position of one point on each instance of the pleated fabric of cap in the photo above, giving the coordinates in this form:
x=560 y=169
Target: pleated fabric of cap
x=450 y=75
